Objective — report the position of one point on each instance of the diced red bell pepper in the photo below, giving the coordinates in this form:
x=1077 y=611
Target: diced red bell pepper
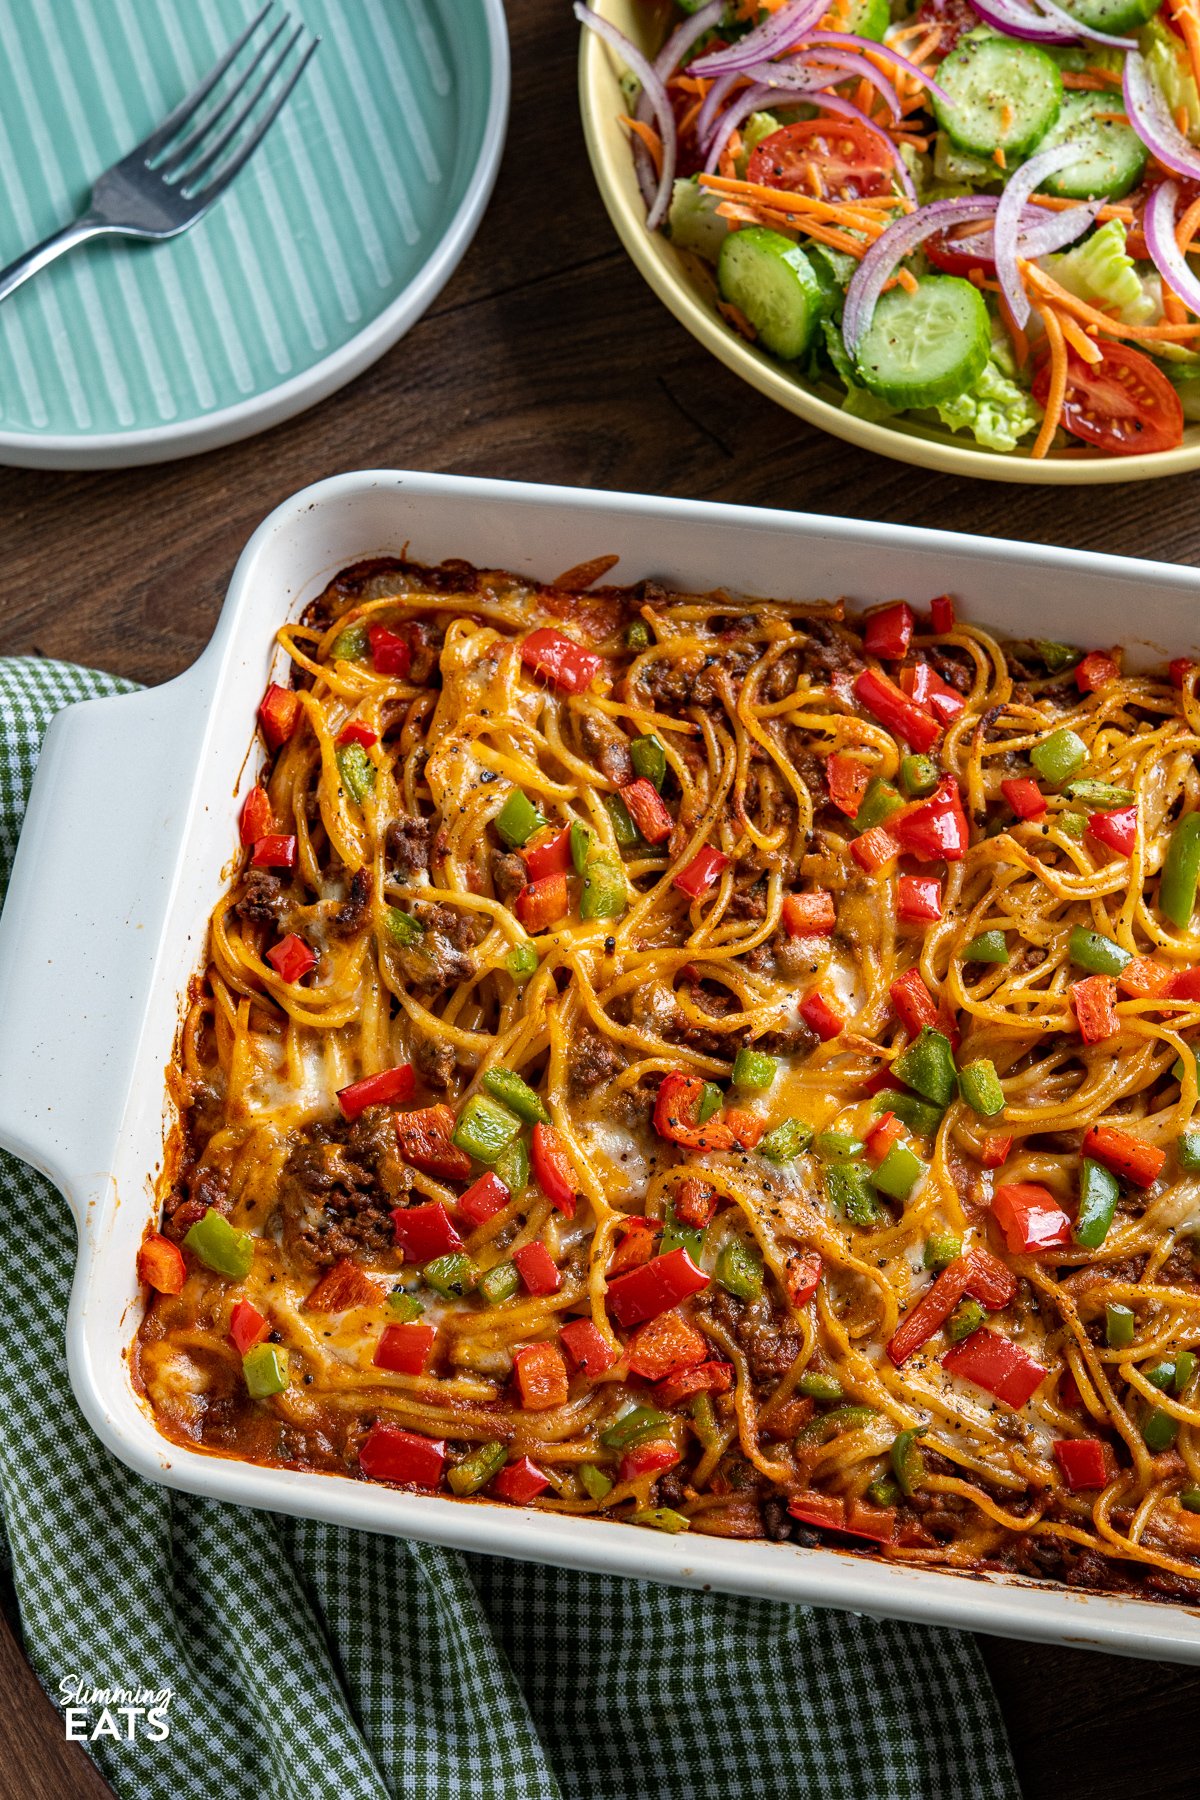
x=391 y=653
x=1179 y=668
x=746 y=1127
x=404 y=1349
x=1025 y=797
x=1030 y=1218
x=706 y=1378
x=388 y=1088
x=665 y=1345
x=1095 y=1003
x=1115 y=830
x=541 y=1376
x=675 y=1112
x=656 y=1286
x=941 y=613
x=357 y=732
x=257 y=819
x=997 y=1365
x=810 y=915
x=648 y=810
x=549 y=854
x=1128 y=1156
x=560 y=660
x=425 y=1231
x=821 y=1017
x=801 y=1276
x=918 y=897
x=484 y=1199
x=888 y=1131
x=279 y=714
x=938 y=828
x=1145 y=979
x=1083 y=1463
x=275 y=851
x=291 y=958
x=888 y=632
x=389 y=1453
x=247 y=1327
x=160 y=1264
x=1185 y=985
x=978 y=1273
x=520 y=1482
x=875 y=849
x=1095 y=671
x=552 y=1169
x=542 y=903
x=1068 y=1390
x=695 y=1203
x=587 y=1346
x=883 y=1082
x=638 y=1239
x=847 y=777
x=875 y=1522
x=827 y=1512
x=653 y=1458
x=700 y=874
x=994 y=1150
x=537 y=1268
x=425 y=1141
x=893 y=708
x=915 y=1006
x=343 y=1286
x=924 y=685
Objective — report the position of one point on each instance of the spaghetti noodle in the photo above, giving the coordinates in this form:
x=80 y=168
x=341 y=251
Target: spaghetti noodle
x=704 y=1062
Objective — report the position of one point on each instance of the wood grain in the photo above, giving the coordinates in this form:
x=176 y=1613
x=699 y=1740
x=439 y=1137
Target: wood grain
x=547 y=359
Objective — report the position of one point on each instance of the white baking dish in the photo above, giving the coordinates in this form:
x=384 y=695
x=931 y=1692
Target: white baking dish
x=132 y=820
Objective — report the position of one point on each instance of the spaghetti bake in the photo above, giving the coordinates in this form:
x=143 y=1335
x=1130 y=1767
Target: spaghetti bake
x=710 y=1063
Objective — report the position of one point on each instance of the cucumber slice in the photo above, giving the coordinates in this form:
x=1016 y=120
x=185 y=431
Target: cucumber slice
x=1005 y=95
x=1118 y=17
x=926 y=346
x=869 y=19
x=693 y=222
x=771 y=280
x=1111 y=156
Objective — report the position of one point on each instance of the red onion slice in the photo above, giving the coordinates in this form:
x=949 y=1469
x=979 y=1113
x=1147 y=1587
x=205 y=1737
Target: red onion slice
x=889 y=250
x=687 y=34
x=850 y=41
x=655 y=90
x=775 y=33
x=748 y=101
x=1041 y=232
x=1010 y=214
x=1020 y=22
x=714 y=100
x=800 y=74
x=1170 y=261
x=1151 y=119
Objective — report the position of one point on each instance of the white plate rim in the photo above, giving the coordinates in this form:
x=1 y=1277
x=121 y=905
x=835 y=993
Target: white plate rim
x=246 y=418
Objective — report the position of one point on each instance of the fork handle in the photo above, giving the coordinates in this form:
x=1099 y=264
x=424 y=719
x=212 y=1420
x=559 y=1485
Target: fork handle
x=60 y=241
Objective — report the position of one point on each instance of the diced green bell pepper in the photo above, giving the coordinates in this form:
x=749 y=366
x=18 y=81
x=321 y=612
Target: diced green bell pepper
x=883 y=1491
x=941 y=1249
x=1099 y=796
x=899 y=1172
x=878 y=804
x=635 y=1426
x=838 y=1146
x=1059 y=756
x=908 y=1464
x=816 y=1386
x=1097 y=954
x=850 y=1191
x=403 y=1306
x=661 y=1518
x=499 y=1284
x=266 y=1370
x=506 y=1085
x=829 y=1425
x=485 y=1128
x=604 y=894
x=918 y=1115
x=1099 y=1192
x=219 y=1247
x=967 y=1317
x=402 y=928
x=1057 y=657
x=1177 y=1066
x=980 y=1087
x=649 y=760
x=624 y=829
x=512 y=1167
x=518 y=820
x=1120 y=1326
x=476 y=1470
x=704 y=1419
x=596 y=1484
x=752 y=1069
x=711 y=1102
x=357 y=772
x=928 y=1066
x=1181 y=871
x=1074 y=824
x=580 y=841
x=637 y=635
x=988 y=947
x=739 y=1269
x=1189 y=1499
x=919 y=775
x=450 y=1276
x=350 y=645
x=786 y=1141
x=1185 y=1368
x=1187 y=1149
x=1162 y=1376
x=676 y=1236
x=1159 y=1430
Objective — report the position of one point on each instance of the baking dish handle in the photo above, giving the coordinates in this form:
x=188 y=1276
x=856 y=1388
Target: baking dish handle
x=79 y=932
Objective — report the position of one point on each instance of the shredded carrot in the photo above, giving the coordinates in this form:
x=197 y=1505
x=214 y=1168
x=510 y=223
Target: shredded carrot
x=1006 y=117
x=730 y=154
x=999 y=158
x=690 y=116
x=1187 y=18
x=864 y=94
x=1058 y=382
x=1181 y=120
x=1094 y=79
x=915 y=30
x=1124 y=213
x=907 y=280
x=650 y=140
x=763 y=215
x=1079 y=340
x=1112 y=118
x=690 y=84
x=1114 y=328
x=1020 y=342
x=737 y=319
x=861 y=215
x=1186 y=227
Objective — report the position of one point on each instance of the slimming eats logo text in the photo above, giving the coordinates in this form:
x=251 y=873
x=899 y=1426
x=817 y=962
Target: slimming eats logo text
x=120 y=1713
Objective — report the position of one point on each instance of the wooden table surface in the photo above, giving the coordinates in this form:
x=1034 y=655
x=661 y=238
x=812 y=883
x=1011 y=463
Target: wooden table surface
x=547 y=359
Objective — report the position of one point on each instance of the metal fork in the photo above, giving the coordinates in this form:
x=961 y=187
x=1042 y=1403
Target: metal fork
x=173 y=176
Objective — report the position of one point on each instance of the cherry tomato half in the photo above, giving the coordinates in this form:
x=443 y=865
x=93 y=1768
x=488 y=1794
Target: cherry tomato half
x=830 y=160
x=952 y=253
x=1122 y=403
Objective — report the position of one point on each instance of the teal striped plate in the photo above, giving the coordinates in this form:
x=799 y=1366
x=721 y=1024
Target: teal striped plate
x=335 y=238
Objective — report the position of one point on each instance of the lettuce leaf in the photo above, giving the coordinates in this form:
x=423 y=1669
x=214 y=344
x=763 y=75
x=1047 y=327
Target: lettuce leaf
x=995 y=410
x=1101 y=271
x=1171 y=69
x=859 y=402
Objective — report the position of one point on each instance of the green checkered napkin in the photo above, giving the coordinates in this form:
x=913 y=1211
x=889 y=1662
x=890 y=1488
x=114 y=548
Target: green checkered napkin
x=308 y=1661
